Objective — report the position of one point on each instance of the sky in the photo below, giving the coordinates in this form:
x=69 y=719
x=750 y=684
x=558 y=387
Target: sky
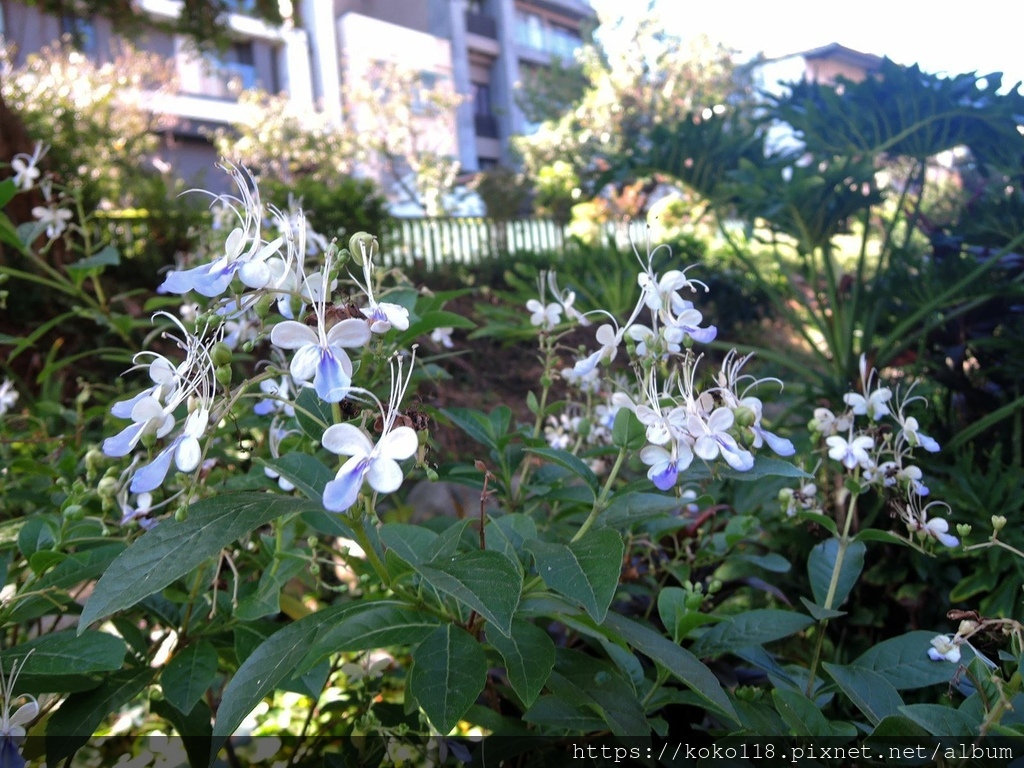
x=981 y=36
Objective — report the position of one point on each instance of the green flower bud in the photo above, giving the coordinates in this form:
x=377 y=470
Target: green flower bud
x=963 y=529
x=262 y=308
x=785 y=495
x=223 y=374
x=998 y=523
x=744 y=416
x=74 y=512
x=431 y=474
x=362 y=245
x=107 y=488
x=181 y=513
x=221 y=354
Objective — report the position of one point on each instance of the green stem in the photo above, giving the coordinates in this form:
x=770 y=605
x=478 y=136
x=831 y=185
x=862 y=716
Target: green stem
x=844 y=542
x=599 y=502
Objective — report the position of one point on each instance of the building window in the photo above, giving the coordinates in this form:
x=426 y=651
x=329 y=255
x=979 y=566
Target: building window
x=80 y=33
x=235 y=67
x=534 y=31
x=421 y=103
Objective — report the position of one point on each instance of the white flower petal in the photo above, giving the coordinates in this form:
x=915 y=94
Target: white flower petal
x=346 y=440
x=292 y=334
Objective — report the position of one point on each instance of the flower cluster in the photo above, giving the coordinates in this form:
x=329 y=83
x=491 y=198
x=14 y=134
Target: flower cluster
x=270 y=260
x=681 y=422
x=874 y=438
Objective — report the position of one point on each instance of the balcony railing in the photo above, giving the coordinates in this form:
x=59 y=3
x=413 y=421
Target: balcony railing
x=481 y=24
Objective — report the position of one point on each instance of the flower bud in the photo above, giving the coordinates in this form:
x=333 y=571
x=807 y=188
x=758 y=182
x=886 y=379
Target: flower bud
x=963 y=529
x=181 y=513
x=262 y=308
x=743 y=416
x=220 y=354
x=223 y=374
x=998 y=523
x=74 y=512
x=362 y=246
x=107 y=487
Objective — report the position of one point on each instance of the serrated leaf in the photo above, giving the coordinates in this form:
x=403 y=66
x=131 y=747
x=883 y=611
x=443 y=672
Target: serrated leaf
x=585 y=571
x=305 y=472
x=449 y=669
x=680 y=662
x=572 y=463
x=188 y=675
x=173 y=549
x=872 y=693
x=485 y=581
x=756 y=627
x=821 y=563
x=529 y=655
x=903 y=661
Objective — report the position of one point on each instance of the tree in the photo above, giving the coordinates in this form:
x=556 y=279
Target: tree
x=638 y=76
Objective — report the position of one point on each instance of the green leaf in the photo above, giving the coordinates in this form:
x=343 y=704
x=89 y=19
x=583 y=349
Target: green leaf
x=939 y=720
x=896 y=727
x=680 y=662
x=764 y=466
x=581 y=679
x=800 y=713
x=430 y=321
x=49 y=659
x=626 y=508
x=529 y=655
x=585 y=571
x=266 y=600
x=173 y=549
x=627 y=431
x=80 y=715
x=8 y=189
x=872 y=693
x=486 y=581
x=570 y=462
x=273 y=662
x=312 y=414
x=676 y=616
x=374 y=625
x=409 y=542
x=8 y=234
x=305 y=472
x=75 y=569
x=556 y=712
x=449 y=669
x=873 y=534
x=750 y=628
x=188 y=675
x=473 y=423
x=819 y=613
x=773 y=562
x=107 y=257
x=821 y=563
x=195 y=729
x=903 y=661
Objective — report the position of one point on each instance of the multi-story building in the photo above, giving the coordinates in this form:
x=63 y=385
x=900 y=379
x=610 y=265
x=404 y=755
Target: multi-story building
x=482 y=48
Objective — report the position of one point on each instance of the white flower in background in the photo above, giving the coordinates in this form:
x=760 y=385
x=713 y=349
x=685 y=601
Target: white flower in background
x=920 y=521
x=874 y=401
x=915 y=437
x=945 y=648
x=279 y=393
x=545 y=316
x=566 y=299
x=276 y=434
x=382 y=315
x=714 y=440
x=442 y=337
x=827 y=423
x=376 y=464
x=24 y=167
x=8 y=396
x=852 y=452
x=56 y=219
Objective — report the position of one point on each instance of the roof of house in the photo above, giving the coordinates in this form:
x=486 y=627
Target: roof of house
x=837 y=52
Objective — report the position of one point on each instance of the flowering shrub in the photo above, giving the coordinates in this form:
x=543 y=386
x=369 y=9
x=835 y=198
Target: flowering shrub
x=240 y=529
